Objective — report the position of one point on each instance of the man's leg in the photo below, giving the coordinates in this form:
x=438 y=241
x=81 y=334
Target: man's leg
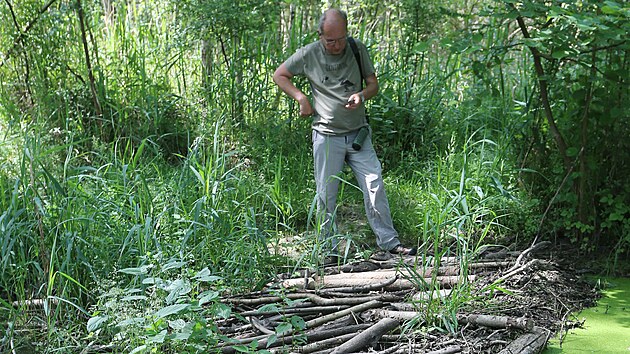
x=368 y=172
x=329 y=156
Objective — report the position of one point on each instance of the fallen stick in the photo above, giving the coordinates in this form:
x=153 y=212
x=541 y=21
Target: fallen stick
x=262 y=340
x=491 y=321
x=361 y=288
x=318 y=335
x=399 y=284
x=529 y=343
x=326 y=343
x=295 y=310
x=513 y=271
x=368 y=337
x=478 y=320
x=314 y=298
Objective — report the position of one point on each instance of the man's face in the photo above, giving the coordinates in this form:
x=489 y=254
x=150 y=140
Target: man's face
x=333 y=37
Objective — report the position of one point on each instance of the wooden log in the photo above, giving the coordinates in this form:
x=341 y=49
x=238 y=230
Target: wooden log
x=361 y=288
x=368 y=337
x=314 y=298
x=478 y=320
x=491 y=321
x=298 y=283
x=296 y=310
x=335 y=281
x=326 y=343
x=318 y=335
x=529 y=343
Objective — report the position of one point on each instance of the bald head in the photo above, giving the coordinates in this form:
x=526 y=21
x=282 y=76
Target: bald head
x=333 y=20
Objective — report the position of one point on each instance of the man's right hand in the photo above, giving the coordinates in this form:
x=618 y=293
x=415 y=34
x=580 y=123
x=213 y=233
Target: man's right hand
x=306 y=109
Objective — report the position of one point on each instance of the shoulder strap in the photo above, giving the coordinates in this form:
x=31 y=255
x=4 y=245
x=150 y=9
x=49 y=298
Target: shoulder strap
x=357 y=56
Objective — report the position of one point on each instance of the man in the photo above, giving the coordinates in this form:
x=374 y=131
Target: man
x=338 y=113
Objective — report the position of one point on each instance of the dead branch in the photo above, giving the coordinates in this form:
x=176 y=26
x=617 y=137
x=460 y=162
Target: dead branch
x=296 y=310
x=341 y=280
x=262 y=340
x=517 y=270
x=529 y=343
x=326 y=343
x=368 y=337
x=314 y=298
x=361 y=288
x=496 y=321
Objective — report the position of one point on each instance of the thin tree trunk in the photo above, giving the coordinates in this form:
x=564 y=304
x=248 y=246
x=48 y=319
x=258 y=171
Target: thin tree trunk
x=88 y=63
x=544 y=95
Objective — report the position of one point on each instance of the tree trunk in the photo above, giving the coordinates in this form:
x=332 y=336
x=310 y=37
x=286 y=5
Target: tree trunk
x=88 y=63
x=544 y=96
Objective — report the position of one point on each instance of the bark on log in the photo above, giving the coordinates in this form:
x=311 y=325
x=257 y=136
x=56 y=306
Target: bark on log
x=314 y=298
x=296 y=310
x=368 y=337
x=478 y=320
x=491 y=321
x=340 y=280
x=361 y=288
x=317 y=336
x=529 y=343
x=326 y=343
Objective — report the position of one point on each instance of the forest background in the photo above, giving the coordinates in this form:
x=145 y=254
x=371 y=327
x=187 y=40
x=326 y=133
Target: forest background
x=149 y=165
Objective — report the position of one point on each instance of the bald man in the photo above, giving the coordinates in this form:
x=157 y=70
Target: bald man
x=338 y=114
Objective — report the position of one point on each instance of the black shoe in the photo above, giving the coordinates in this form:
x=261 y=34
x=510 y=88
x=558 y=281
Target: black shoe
x=404 y=251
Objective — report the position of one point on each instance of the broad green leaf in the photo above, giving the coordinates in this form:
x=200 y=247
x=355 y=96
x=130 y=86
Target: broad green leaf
x=207 y=297
x=96 y=322
x=176 y=289
x=136 y=271
x=284 y=328
x=223 y=311
x=177 y=324
x=272 y=339
x=170 y=310
x=151 y=281
x=560 y=53
x=173 y=265
x=158 y=338
x=205 y=275
x=130 y=322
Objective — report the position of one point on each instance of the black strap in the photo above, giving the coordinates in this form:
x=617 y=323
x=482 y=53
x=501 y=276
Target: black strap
x=357 y=56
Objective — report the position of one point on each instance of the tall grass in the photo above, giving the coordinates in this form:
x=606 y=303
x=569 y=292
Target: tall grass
x=175 y=193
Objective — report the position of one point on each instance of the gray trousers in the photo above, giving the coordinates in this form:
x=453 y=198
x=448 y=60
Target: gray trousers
x=330 y=153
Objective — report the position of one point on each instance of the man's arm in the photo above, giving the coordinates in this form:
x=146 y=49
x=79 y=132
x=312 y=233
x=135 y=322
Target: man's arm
x=282 y=77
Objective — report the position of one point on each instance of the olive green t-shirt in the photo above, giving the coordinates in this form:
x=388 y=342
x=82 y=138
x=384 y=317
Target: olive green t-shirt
x=333 y=78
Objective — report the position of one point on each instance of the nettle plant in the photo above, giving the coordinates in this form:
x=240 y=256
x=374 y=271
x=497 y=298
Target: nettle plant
x=163 y=307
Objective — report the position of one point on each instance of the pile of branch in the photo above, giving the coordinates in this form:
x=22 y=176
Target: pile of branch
x=369 y=306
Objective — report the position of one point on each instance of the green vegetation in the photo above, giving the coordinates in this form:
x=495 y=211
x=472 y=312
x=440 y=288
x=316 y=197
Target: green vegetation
x=149 y=166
